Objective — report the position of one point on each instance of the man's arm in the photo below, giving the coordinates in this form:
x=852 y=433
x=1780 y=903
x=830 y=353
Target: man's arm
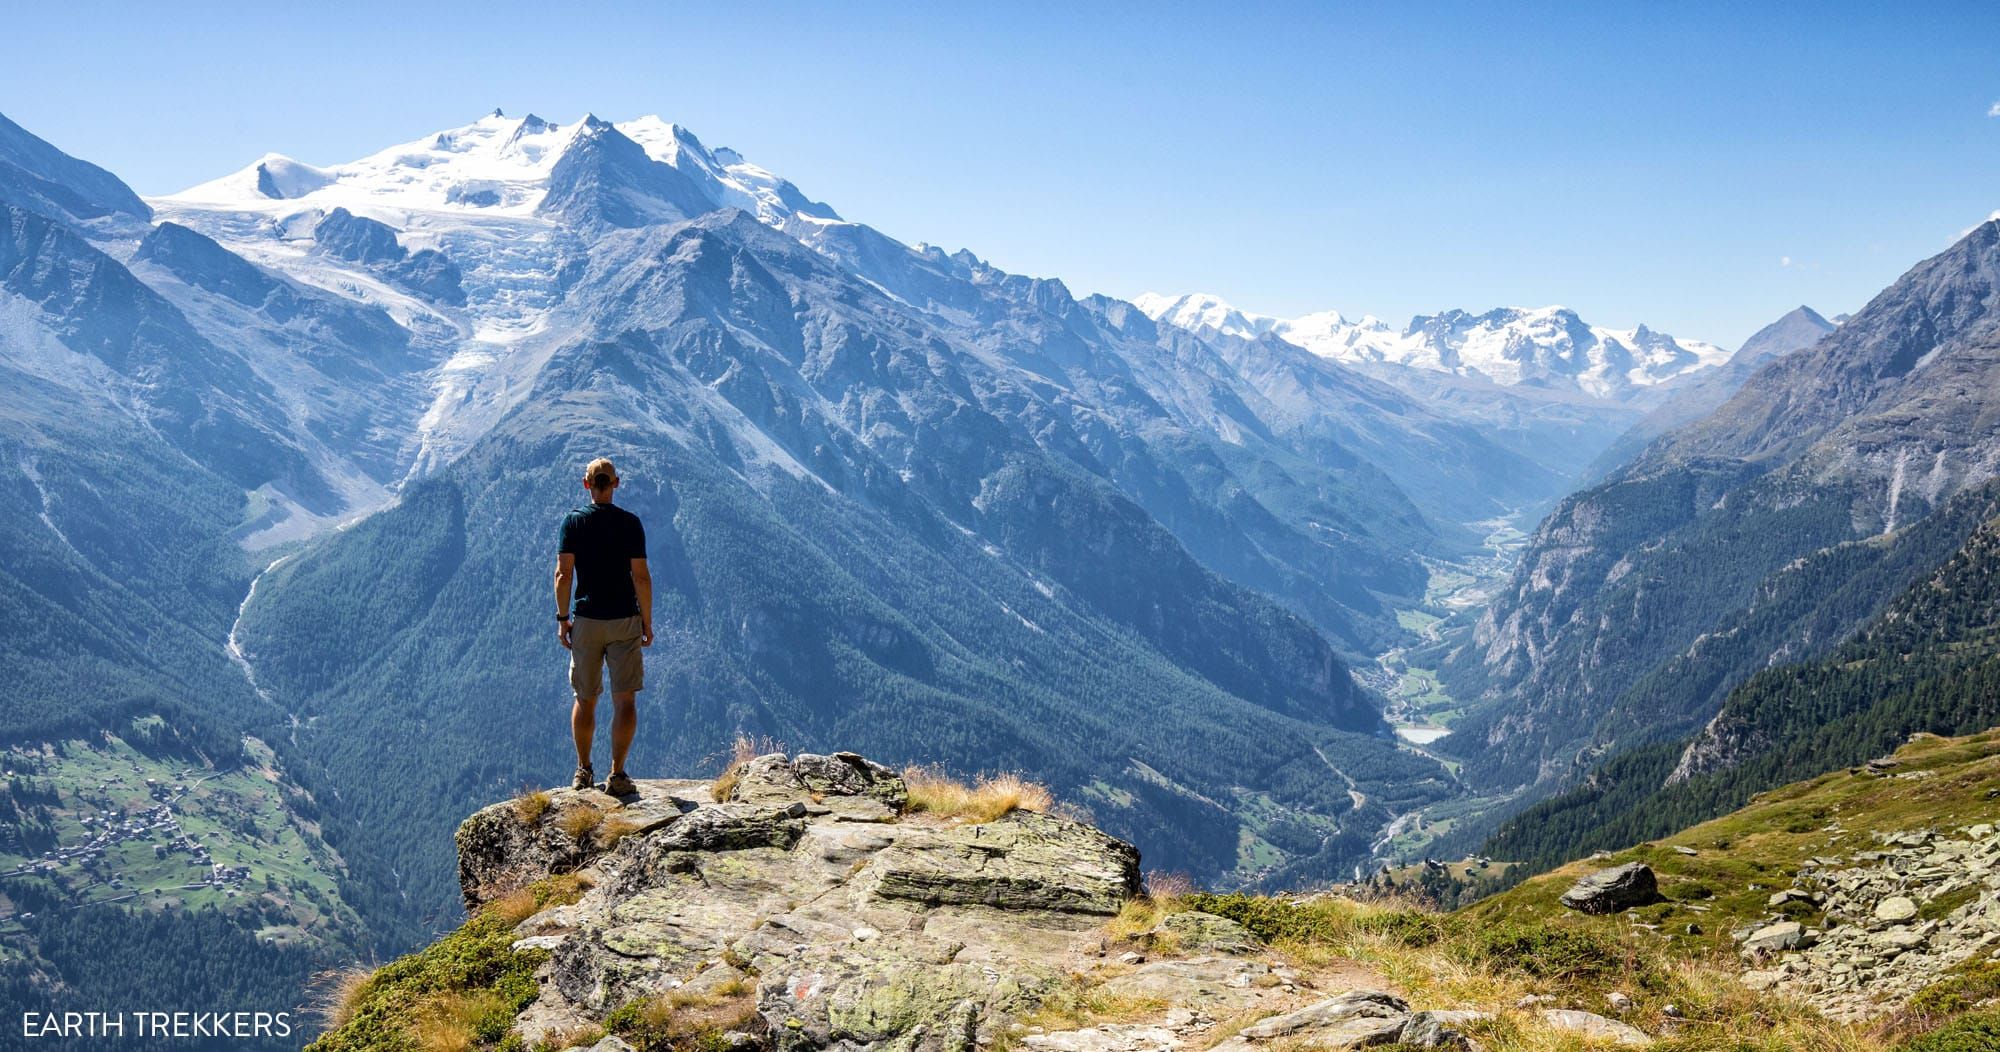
x=565 y=578
x=642 y=583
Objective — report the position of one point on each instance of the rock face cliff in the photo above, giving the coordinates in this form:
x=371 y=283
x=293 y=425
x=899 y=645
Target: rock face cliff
x=1641 y=601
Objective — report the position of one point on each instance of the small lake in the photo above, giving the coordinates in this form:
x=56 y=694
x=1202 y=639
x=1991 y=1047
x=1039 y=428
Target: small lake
x=1422 y=735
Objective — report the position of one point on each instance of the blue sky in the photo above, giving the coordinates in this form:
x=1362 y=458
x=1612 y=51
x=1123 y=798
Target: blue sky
x=1701 y=168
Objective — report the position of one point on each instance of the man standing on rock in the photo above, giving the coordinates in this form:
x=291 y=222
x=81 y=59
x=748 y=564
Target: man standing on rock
x=602 y=555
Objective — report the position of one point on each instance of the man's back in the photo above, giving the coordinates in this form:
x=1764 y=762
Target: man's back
x=605 y=539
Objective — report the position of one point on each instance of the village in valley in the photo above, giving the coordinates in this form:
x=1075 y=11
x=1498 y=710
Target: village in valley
x=94 y=822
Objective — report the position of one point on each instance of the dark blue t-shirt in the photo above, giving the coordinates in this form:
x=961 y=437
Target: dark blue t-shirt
x=605 y=539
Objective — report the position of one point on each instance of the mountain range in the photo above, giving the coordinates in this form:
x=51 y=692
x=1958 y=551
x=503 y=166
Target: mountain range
x=1545 y=348
x=1563 y=393
x=284 y=453
x=283 y=449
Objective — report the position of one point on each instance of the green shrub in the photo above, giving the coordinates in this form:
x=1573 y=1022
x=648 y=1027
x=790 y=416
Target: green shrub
x=1979 y=1032
x=1966 y=986
x=1546 y=951
x=1408 y=927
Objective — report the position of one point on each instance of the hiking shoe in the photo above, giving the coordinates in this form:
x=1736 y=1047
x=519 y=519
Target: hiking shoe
x=584 y=777
x=620 y=784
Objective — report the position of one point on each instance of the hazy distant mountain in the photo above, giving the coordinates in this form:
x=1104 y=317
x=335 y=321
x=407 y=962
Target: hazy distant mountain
x=1546 y=347
x=1541 y=384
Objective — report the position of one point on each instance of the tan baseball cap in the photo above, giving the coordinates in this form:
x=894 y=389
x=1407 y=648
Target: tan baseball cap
x=600 y=468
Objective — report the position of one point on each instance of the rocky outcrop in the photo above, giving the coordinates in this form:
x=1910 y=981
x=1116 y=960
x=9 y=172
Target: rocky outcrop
x=1614 y=889
x=849 y=924
x=1897 y=918
x=798 y=899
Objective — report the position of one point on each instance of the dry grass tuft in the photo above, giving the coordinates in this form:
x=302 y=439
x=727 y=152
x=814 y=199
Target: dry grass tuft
x=1166 y=887
x=1138 y=921
x=615 y=829
x=742 y=750
x=1077 y=1002
x=456 y=1022
x=524 y=902
x=683 y=1019
x=336 y=993
x=441 y=1033
x=514 y=907
x=992 y=796
x=531 y=804
x=580 y=822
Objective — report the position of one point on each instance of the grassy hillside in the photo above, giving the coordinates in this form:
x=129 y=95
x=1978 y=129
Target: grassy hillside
x=1679 y=952
x=1938 y=783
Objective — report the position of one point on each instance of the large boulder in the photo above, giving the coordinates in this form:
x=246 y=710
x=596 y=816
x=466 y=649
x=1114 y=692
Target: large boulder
x=1026 y=861
x=845 y=784
x=1614 y=889
x=849 y=774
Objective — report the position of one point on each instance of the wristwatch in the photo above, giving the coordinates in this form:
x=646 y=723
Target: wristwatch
x=562 y=617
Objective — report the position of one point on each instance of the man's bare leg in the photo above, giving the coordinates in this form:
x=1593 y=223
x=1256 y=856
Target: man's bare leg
x=624 y=723
x=583 y=728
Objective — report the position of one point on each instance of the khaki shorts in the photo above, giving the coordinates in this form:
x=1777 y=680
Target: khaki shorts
x=593 y=643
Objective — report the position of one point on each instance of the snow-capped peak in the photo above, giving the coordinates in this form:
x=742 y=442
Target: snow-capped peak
x=1535 y=346
x=1201 y=312
x=496 y=166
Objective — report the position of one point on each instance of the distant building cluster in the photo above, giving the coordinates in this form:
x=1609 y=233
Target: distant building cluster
x=106 y=828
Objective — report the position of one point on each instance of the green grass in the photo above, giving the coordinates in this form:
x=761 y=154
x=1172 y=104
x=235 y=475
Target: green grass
x=1421 y=689
x=467 y=986
x=1278 y=920
x=1967 y=985
x=1416 y=620
x=1744 y=856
